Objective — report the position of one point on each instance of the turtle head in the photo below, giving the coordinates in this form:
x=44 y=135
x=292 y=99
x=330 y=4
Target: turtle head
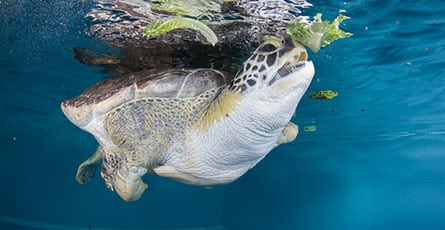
x=276 y=69
x=271 y=83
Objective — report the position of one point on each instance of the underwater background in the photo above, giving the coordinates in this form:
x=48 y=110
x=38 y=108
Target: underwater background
x=375 y=161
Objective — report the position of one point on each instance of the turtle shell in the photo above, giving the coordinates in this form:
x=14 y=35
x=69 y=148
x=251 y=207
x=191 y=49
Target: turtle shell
x=109 y=94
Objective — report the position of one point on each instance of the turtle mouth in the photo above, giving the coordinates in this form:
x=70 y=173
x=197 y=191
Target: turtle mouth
x=294 y=64
x=289 y=68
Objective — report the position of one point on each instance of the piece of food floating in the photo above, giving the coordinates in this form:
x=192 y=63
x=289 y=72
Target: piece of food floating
x=325 y=94
x=310 y=128
x=318 y=33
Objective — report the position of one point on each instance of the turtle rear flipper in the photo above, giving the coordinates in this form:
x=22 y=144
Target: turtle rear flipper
x=128 y=182
x=89 y=57
x=86 y=170
x=122 y=176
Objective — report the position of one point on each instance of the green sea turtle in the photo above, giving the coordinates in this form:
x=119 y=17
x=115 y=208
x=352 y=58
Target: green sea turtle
x=197 y=126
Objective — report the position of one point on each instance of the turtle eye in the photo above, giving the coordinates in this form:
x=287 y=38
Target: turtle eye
x=267 y=48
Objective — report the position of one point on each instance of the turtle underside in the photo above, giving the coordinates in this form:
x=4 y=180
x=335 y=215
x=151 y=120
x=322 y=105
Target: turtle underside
x=135 y=118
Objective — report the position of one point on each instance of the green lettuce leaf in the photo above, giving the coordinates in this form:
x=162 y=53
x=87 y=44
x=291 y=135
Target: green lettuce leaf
x=325 y=94
x=158 y=27
x=318 y=33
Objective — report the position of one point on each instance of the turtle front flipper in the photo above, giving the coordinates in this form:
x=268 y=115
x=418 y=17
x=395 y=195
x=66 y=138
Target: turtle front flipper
x=86 y=170
x=288 y=134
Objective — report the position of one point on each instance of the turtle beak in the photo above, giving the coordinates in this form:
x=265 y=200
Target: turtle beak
x=294 y=75
x=295 y=63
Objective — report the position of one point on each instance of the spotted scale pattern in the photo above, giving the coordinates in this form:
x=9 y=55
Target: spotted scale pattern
x=143 y=129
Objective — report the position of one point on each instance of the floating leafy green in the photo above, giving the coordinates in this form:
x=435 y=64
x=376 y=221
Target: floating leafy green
x=325 y=94
x=318 y=33
x=310 y=128
x=158 y=27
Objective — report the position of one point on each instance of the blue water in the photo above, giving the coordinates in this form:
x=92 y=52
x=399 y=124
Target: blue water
x=375 y=161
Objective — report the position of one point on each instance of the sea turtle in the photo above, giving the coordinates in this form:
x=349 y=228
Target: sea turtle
x=197 y=126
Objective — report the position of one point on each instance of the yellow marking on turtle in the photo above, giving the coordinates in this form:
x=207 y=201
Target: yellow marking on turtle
x=220 y=107
x=274 y=40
